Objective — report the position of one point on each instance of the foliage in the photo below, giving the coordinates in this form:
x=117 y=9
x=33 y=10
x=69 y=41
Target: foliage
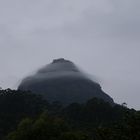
x=45 y=128
x=127 y=130
x=26 y=116
x=16 y=105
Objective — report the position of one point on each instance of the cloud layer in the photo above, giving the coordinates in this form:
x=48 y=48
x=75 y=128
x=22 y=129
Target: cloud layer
x=101 y=36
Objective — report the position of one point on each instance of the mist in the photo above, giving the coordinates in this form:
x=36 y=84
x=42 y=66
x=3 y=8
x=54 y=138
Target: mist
x=101 y=36
x=58 y=69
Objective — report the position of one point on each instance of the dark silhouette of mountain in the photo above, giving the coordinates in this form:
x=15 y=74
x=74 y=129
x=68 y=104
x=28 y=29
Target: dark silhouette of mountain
x=63 y=81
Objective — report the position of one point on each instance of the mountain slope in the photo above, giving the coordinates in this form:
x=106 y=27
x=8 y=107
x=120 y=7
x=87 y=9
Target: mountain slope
x=62 y=81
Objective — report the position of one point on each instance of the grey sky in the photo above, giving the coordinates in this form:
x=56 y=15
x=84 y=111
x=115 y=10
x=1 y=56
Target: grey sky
x=101 y=36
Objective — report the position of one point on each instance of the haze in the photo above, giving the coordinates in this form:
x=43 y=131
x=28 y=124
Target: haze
x=101 y=36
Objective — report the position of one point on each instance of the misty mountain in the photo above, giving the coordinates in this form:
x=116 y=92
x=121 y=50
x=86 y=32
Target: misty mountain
x=63 y=81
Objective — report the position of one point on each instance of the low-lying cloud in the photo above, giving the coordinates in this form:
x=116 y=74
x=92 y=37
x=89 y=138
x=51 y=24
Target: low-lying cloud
x=101 y=36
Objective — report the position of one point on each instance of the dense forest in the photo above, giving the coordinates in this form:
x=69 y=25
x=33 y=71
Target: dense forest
x=27 y=116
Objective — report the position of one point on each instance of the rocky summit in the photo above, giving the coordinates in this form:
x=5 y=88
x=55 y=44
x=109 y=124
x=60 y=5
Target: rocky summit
x=63 y=81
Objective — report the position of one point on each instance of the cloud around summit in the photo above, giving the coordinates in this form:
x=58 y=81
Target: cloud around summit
x=101 y=36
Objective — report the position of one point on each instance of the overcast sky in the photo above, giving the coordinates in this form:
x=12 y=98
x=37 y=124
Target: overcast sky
x=100 y=36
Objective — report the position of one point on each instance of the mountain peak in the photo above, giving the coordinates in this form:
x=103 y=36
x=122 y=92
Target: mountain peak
x=63 y=81
x=59 y=65
x=61 y=60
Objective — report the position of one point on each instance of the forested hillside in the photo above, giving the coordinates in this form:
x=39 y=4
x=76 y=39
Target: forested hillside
x=27 y=116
